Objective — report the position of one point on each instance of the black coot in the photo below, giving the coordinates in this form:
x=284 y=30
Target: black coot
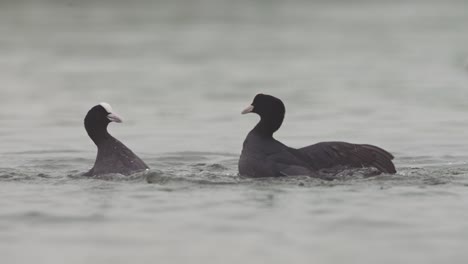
x=264 y=156
x=112 y=155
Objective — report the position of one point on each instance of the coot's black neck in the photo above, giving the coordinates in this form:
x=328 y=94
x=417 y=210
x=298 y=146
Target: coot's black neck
x=98 y=133
x=268 y=125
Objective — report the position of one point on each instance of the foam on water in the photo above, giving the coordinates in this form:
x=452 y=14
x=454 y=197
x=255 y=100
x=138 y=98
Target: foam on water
x=204 y=168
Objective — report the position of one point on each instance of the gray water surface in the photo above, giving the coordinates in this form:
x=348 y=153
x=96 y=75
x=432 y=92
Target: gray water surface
x=389 y=73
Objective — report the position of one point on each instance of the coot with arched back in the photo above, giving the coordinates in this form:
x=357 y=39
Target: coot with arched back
x=264 y=156
x=112 y=155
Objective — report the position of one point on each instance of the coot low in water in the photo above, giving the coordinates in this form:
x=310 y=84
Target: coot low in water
x=264 y=156
x=112 y=155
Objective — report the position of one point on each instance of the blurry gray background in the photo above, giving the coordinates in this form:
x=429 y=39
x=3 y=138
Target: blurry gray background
x=390 y=73
x=355 y=70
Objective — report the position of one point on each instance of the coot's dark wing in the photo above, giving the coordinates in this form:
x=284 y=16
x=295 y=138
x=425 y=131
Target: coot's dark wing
x=128 y=159
x=330 y=154
x=267 y=157
x=288 y=164
x=115 y=157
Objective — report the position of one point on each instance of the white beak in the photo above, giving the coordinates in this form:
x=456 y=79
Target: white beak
x=114 y=118
x=249 y=109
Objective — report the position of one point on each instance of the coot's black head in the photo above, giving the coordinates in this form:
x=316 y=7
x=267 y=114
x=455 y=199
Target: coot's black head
x=271 y=111
x=97 y=120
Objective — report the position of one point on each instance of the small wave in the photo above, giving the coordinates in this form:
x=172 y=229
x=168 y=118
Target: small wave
x=136 y=177
x=41 y=152
x=200 y=173
x=204 y=168
x=7 y=174
x=41 y=217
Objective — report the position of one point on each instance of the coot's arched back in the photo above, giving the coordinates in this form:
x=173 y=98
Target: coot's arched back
x=264 y=156
x=112 y=155
x=329 y=154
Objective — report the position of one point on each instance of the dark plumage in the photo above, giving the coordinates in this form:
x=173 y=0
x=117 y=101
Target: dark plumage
x=112 y=155
x=264 y=156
